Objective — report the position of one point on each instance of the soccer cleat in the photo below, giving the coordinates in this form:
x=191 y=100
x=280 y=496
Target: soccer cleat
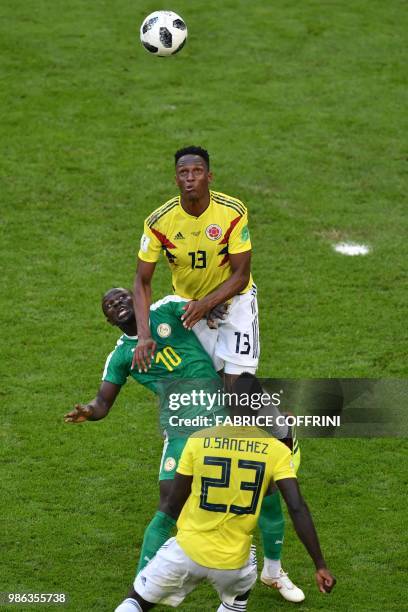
x=285 y=586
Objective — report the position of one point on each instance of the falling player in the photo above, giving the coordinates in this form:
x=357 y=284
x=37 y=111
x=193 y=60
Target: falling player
x=180 y=359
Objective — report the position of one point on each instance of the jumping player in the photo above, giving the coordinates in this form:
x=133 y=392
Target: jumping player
x=205 y=239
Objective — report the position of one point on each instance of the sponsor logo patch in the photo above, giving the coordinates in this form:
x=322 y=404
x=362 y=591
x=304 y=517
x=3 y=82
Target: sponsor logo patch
x=169 y=464
x=164 y=330
x=213 y=232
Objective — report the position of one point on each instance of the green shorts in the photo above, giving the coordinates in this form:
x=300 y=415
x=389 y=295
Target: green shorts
x=172 y=450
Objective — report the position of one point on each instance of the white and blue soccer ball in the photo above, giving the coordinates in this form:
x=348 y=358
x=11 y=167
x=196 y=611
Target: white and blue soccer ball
x=163 y=33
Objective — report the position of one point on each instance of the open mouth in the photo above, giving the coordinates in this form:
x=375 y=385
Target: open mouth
x=123 y=312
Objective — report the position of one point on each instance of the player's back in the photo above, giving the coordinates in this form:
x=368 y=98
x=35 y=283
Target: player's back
x=232 y=468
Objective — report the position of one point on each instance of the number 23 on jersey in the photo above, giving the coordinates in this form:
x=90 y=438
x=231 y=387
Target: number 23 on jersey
x=256 y=469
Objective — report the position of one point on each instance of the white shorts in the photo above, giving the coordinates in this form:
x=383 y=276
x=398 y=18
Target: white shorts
x=234 y=347
x=171 y=575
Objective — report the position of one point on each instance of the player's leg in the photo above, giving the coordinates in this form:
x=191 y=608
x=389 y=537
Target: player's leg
x=238 y=345
x=208 y=339
x=272 y=527
x=160 y=527
x=238 y=338
x=271 y=524
x=167 y=579
x=158 y=530
x=239 y=604
x=134 y=603
x=234 y=586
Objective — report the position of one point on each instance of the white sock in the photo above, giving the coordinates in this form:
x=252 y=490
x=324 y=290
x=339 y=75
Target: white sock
x=237 y=606
x=129 y=605
x=272 y=567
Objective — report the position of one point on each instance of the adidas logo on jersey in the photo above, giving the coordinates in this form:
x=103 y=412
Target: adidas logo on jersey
x=178 y=236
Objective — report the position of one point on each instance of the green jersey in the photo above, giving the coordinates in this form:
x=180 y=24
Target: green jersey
x=181 y=367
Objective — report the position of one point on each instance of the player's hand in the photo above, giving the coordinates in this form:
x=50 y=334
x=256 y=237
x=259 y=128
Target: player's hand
x=325 y=581
x=79 y=414
x=217 y=313
x=193 y=312
x=144 y=354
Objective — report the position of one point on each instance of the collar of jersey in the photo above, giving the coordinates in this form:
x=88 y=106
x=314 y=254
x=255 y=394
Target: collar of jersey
x=193 y=216
x=130 y=337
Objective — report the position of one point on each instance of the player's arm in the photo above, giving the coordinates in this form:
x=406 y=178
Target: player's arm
x=241 y=269
x=303 y=523
x=142 y=298
x=96 y=409
x=179 y=494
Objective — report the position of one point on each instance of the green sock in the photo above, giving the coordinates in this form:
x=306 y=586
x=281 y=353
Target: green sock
x=272 y=526
x=155 y=535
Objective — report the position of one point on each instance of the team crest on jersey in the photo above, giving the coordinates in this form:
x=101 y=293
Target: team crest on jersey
x=213 y=232
x=169 y=464
x=245 y=234
x=164 y=330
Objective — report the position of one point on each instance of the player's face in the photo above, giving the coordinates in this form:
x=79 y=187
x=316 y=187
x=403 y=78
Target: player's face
x=117 y=305
x=192 y=177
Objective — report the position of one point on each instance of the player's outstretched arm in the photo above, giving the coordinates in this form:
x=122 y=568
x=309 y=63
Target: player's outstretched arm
x=142 y=297
x=241 y=269
x=303 y=523
x=98 y=408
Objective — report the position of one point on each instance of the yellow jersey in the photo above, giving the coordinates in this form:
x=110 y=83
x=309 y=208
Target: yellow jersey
x=197 y=248
x=232 y=468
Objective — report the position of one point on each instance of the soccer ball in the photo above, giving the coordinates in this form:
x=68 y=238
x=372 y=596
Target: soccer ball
x=163 y=33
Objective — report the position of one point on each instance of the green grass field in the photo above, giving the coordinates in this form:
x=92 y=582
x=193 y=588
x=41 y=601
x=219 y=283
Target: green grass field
x=302 y=106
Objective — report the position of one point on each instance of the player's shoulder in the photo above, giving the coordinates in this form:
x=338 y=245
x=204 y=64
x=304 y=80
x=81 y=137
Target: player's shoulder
x=122 y=352
x=168 y=300
x=207 y=432
x=163 y=210
x=224 y=430
x=125 y=343
x=229 y=202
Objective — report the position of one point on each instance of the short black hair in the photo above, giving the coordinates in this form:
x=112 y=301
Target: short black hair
x=243 y=389
x=191 y=150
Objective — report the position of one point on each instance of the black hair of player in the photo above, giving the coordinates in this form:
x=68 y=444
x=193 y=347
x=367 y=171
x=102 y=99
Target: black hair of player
x=191 y=150
x=245 y=386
